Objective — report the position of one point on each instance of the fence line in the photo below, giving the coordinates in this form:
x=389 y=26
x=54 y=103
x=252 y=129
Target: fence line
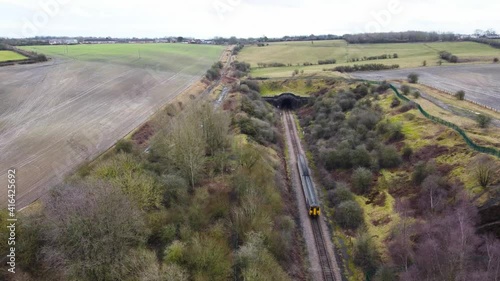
x=470 y=143
x=466 y=99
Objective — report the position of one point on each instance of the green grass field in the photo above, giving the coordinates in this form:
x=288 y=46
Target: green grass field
x=164 y=57
x=409 y=55
x=9 y=55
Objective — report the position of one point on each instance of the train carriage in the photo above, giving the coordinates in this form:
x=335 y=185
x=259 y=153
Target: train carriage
x=312 y=202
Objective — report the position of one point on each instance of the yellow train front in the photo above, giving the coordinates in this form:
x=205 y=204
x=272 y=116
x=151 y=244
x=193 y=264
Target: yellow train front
x=312 y=202
x=314 y=211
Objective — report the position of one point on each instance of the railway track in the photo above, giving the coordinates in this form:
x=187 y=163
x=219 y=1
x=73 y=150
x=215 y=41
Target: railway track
x=324 y=258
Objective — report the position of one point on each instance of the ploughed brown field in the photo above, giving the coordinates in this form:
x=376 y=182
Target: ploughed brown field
x=55 y=115
x=481 y=83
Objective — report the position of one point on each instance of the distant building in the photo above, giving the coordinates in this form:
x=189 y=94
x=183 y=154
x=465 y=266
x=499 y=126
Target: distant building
x=63 y=42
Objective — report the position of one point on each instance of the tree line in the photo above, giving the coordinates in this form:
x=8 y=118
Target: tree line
x=399 y=37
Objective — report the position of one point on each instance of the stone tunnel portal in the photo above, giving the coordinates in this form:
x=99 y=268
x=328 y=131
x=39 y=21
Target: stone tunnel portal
x=287 y=101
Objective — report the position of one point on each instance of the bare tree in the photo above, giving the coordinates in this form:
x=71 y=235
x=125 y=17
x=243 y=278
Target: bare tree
x=91 y=231
x=186 y=143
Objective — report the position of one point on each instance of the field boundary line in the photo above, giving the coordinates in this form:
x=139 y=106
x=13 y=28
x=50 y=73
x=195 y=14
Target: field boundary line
x=466 y=99
x=468 y=141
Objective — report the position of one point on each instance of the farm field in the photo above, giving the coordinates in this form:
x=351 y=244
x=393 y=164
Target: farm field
x=481 y=83
x=409 y=55
x=56 y=115
x=10 y=55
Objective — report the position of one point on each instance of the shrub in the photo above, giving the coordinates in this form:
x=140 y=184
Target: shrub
x=421 y=171
x=244 y=88
x=407 y=152
x=91 y=230
x=365 y=253
x=361 y=158
x=125 y=146
x=385 y=273
x=340 y=194
x=361 y=180
x=388 y=157
x=454 y=59
x=338 y=159
x=495 y=60
x=395 y=102
x=349 y=214
x=330 y=61
x=395 y=55
x=424 y=63
x=208 y=257
x=460 y=95
x=413 y=78
x=405 y=89
x=364 y=67
x=254 y=86
x=483 y=120
x=416 y=94
x=174 y=254
x=445 y=55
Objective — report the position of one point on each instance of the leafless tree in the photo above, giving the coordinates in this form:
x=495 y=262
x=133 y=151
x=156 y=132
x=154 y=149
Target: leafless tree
x=91 y=229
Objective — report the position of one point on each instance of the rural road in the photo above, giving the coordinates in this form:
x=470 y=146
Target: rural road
x=56 y=115
x=481 y=83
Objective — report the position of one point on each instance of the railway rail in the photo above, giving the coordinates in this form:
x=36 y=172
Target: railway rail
x=324 y=258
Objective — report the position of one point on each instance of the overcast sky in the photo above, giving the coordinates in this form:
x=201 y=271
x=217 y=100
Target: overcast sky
x=241 y=18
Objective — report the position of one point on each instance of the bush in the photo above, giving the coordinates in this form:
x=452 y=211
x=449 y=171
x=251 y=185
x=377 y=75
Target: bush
x=483 y=120
x=495 y=60
x=454 y=59
x=405 y=89
x=364 y=67
x=361 y=180
x=420 y=172
x=365 y=254
x=407 y=152
x=91 y=230
x=174 y=254
x=395 y=55
x=125 y=146
x=395 y=102
x=388 y=157
x=460 y=95
x=385 y=273
x=330 y=61
x=340 y=194
x=416 y=94
x=360 y=157
x=254 y=86
x=413 y=78
x=349 y=215
x=338 y=159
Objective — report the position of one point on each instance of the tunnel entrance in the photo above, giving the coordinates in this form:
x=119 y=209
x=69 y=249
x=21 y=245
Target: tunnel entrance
x=286 y=104
x=287 y=101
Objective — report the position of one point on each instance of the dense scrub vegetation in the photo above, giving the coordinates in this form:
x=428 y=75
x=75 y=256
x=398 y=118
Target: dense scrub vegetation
x=201 y=204
x=432 y=234
x=381 y=57
x=447 y=56
x=364 y=67
x=214 y=72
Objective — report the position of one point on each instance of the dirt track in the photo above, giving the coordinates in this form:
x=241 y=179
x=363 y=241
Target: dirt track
x=481 y=83
x=55 y=115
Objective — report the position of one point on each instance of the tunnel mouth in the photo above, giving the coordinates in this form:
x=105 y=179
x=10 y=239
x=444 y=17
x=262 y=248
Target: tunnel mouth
x=287 y=104
x=287 y=101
